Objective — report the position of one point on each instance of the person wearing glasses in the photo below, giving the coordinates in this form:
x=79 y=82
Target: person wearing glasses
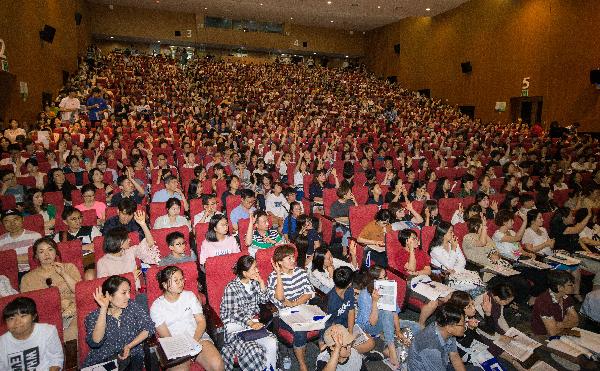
x=88 y=192
x=218 y=241
x=53 y=273
x=435 y=347
x=177 y=312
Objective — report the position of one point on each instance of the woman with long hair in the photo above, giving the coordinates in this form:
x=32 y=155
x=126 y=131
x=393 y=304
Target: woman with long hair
x=218 y=241
x=57 y=182
x=34 y=204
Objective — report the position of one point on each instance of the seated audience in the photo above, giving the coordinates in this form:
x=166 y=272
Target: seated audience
x=209 y=205
x=17 y=238
x=88 y=192
x=34 y=204
x=244 y=209
x=177 y=244
x=173 y=217
x=554 y=312
x=259 y=235
x=322 y=266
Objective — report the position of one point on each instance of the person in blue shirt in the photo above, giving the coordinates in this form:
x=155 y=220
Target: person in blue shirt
x=172 y=190
x=341 y=303
x=96 y=105
x=290 y=222
x=244 y=209
x=434 y=348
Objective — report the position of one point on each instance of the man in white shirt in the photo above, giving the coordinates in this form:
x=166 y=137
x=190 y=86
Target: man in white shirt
x=275 y=204
x=17 y=238
x=69 y=107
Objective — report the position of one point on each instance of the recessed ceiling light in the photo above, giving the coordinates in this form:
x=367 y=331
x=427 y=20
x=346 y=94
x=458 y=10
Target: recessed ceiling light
x=346 y=56
x=378 y=6
x=112 y=37
x=158 y=41
x=314 y=53
x=261 y=4
x=331 y=21
x=329 y=3
x=205 y=8
x=291 y=17
x=427 y=9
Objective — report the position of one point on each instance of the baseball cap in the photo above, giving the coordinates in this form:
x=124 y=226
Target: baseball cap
x=11 y=212
x=331 y=334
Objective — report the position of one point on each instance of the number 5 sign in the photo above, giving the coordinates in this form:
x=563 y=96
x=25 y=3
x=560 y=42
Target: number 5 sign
x=525 y=83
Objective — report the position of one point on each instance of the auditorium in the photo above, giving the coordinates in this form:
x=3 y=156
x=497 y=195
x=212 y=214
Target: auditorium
x=276 y=185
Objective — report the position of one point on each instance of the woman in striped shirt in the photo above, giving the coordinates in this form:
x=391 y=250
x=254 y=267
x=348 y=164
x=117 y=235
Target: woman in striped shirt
x=288 y=286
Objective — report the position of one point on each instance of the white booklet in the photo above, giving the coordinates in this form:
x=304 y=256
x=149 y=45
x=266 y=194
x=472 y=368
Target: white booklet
x=179 y=346
x=304 y=317
x=563 y=259
x=105 y=366
x=423 y=285
x=535 y=264
x=589 y=255
x=500 y=270
x=388 y=291
x=520 y=346
x=587 y=340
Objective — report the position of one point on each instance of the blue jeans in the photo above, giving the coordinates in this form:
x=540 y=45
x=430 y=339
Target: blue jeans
x=346 y=234
x=385 y=324
x=412 y=325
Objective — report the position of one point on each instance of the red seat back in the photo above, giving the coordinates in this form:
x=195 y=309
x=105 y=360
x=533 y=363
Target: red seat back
x=460 y=231
x=200 y=234
x=153 y=290
x=8 y=202
x=263 y=262
x=243 y=226
x=159 y=209
x=10 y=267
x=54 y=198
x=160 y=236
x=33 y=223
x=196 y=208
x=134 y=239
x=218 y=274
x=85 y=303
x=48 y=306
x=447 y=207
x=561 y=196
x=361 y=193
x=360 y=216
x=232 y=202
x=329 y=197
x=427 y=234
x=326 y=228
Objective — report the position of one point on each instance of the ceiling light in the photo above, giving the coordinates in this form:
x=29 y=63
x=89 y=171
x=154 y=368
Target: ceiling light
x=158 y=41
x=314 y=53
x=112 y=37
x=329 y=3
x=291 y=17
x=378 y=6
x=261 y=4
x=205 y=8
x=427 y=9
x=346 y=56
x=331 y=21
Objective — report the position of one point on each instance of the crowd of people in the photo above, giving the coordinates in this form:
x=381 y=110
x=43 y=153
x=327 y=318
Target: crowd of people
x=272 y=152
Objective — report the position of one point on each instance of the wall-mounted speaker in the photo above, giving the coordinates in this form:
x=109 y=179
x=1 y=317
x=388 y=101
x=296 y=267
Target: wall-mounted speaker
x=595 y=76
x=78 y=18
x=397 y=48
x=47 y=34
x=177 y=33
x=466 y=67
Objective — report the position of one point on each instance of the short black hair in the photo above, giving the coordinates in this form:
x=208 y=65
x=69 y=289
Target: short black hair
x=164 y=275
x=171 y=237
x=342 y=277
x=246 y=193
x=114 y=239
x=449 y=314
x=558 y=278
x=242 y=265
x=20 y=305
x=112 y=283
x=172 y=201
x=68 y=211
x=127 y=206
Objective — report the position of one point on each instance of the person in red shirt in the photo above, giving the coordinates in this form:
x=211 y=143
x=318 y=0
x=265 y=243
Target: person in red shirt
x=554 y=312
x=536 y=130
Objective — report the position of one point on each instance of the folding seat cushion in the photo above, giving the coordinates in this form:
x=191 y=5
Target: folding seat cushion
x=159 y=209
x=329 y=198
x=561 y=196
x=200 y=230
x=447 y=207
x=218 y=274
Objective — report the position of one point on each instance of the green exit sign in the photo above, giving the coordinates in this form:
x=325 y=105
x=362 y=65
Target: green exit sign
x=525 y=93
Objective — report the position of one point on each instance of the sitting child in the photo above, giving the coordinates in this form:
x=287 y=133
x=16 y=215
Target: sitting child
x=177 y=244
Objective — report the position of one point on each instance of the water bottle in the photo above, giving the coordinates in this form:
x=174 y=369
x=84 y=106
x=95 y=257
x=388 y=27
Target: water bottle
x=287 y=363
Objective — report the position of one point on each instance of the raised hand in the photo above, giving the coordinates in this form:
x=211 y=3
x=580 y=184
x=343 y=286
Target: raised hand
x=487 y=304
x=102 y=300
x=140 y=217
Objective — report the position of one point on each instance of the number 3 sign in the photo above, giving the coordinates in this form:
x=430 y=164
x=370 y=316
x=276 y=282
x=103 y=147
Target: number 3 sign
x=525 y=83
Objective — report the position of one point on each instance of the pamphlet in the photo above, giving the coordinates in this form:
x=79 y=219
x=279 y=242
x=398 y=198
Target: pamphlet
x=304 y=317
x=500 y=270
x=423 y=285
x=520 y=345
x=105 y=366
x=179 y=346
x=388 y=291
x=535 y=264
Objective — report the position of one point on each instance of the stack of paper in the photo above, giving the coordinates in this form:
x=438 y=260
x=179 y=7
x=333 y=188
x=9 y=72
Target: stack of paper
x=304 y=317
x=179 y=346
x=563 y=259
x=589 y=255
x=520 y=345
x=388 y=290
x=587 y=340
x=500 y=270
x=430 y=289
x=534 y=264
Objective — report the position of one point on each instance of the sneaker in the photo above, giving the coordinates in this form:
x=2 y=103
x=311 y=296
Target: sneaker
x=374 y=356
